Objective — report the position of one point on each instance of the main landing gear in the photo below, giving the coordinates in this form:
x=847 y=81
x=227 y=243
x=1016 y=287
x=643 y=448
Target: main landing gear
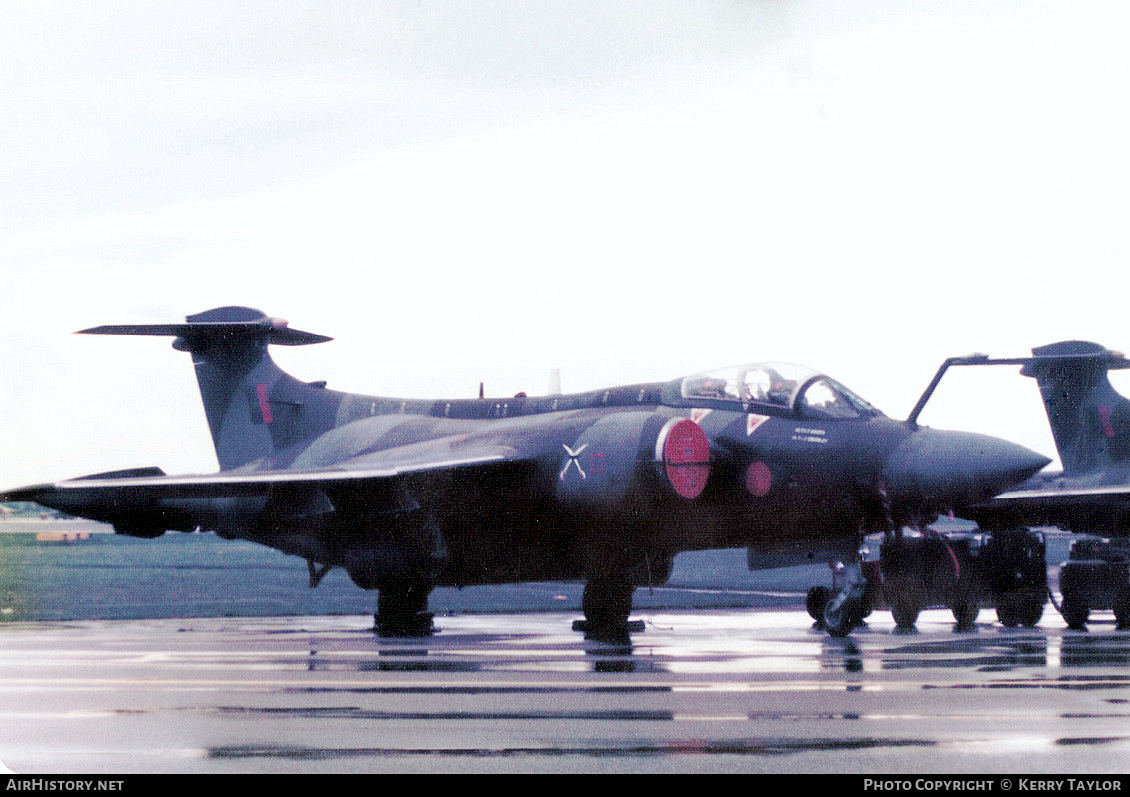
x=402 y=610
x=607 y=602
x=607 y=599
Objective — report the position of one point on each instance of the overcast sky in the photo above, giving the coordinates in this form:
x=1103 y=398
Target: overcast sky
x=628 y=191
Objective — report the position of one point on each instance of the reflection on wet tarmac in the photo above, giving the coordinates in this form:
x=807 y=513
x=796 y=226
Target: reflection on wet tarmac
x=987 y=654
x=1002 y=651
x=694 y=747
x=358 y=713
x=696 y=691
x=1090 y=650
x=482 y=690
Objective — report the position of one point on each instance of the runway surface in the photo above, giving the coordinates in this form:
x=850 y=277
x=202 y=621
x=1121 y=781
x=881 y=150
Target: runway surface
x=733 y=690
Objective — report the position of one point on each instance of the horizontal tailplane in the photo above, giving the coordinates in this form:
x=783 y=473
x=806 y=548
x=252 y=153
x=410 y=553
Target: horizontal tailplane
x=254 y=409
x=197 y=333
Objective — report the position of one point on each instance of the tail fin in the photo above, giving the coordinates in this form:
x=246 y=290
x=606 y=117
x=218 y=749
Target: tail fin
x=254 y=409
x=1090 y=421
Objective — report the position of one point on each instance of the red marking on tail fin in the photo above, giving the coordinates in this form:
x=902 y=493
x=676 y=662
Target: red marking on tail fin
x=1104 y=419
x=264 y=405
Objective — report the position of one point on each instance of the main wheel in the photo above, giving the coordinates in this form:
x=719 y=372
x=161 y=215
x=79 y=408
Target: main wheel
x=606 y=604
x=402 y=610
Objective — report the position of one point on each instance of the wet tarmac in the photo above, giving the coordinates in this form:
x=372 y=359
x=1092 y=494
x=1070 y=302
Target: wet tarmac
x=733 y=690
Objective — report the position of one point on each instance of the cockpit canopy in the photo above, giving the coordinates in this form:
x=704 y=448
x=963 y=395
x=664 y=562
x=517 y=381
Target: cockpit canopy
x=795 y=388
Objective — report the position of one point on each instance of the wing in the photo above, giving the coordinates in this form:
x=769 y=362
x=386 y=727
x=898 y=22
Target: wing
x=145 y=502
x=1101 y=509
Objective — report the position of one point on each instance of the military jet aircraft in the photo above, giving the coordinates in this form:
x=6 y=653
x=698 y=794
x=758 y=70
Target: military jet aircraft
x=1090 y=423
x=605 y=486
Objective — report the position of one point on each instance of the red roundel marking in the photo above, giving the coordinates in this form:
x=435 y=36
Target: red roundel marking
x=758 y=479
x=686 y=455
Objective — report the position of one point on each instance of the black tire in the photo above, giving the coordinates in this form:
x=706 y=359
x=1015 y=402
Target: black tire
x=607 y=605
x=840 y=622
x=402 y=610
x=815 y=602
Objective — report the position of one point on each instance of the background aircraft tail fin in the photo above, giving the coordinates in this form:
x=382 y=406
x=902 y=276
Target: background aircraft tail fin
x=1090 y=420
x=254 y=408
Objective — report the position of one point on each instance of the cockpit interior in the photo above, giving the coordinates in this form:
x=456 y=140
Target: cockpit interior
x=783 y=386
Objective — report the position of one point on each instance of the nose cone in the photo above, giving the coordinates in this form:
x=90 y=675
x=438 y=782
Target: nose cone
x=953 y=469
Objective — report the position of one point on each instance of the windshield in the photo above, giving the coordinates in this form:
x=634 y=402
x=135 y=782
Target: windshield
x=783 y=385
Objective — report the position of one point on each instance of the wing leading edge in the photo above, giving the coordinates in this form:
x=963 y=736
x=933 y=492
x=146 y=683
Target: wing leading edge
x=146 y=503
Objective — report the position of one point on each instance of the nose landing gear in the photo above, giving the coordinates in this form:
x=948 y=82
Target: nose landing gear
x=845 y=609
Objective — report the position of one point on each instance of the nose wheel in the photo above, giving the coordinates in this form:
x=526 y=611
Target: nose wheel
x=844 y=608
x=815 y=602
